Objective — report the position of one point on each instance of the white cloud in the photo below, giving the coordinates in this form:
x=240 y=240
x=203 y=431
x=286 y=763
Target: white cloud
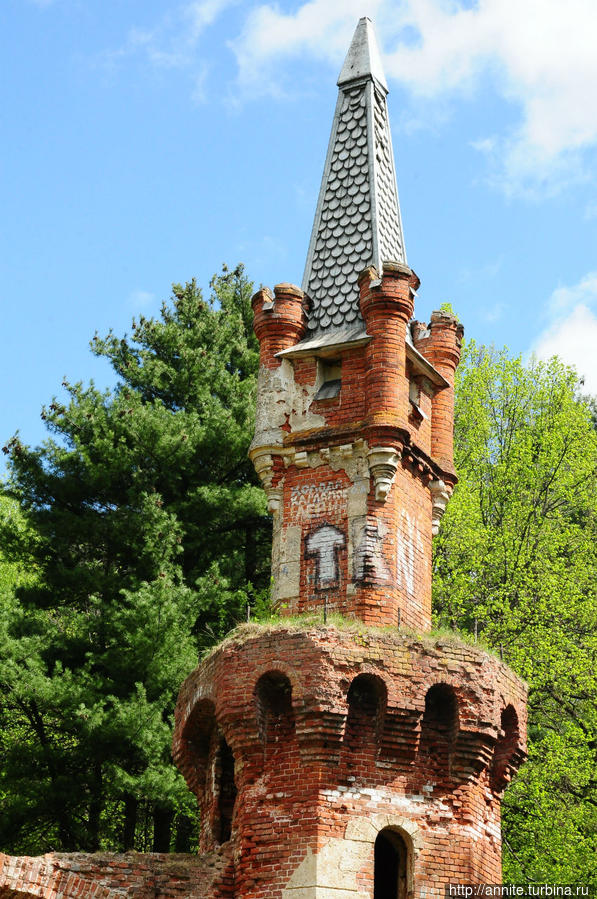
x=572 y=331
x=140 y=299
x=494 y=313
x=203 y=13
x=173 y=41
x=320 y=28
x=539 y=54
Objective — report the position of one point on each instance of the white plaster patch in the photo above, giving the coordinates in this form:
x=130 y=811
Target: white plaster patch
x=357 y=497
x=329 y=874
x=280 y=400
x=408 y=808
x=286 y=563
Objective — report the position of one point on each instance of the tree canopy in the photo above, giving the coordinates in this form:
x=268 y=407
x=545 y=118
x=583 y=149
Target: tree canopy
x=144 y=523
x=137 y=535
x=516 y=561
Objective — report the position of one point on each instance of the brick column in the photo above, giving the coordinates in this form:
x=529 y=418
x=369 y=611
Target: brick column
x=387 y=305
x=280 y=320
x=441 y=347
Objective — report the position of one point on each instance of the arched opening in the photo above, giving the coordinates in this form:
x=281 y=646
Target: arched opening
x=440 y=725
x=273 y=699
x=390 y=866
x=197 y=737
x=226 y=791
x=505 y=749
x=367 y=698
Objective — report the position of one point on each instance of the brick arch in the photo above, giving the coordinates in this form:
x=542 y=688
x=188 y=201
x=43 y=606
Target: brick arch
x=367 y=700
x=281 y=666
x=440 y=726
x=506 y=750
x=273 y=705
x=193 y=744
x=364 y=831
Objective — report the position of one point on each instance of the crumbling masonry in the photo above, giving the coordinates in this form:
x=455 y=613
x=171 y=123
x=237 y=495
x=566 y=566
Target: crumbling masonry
x=366 y=760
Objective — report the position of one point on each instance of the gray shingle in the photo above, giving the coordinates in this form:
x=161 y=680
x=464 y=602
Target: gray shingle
x=357 y=221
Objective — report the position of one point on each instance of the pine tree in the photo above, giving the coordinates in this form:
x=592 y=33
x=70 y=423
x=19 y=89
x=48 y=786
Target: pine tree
x=148 y=532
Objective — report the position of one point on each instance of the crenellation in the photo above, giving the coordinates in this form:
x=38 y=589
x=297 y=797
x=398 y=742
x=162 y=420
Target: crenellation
x=436 y=775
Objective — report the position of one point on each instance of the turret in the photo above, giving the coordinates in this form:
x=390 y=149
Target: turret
x=352 y=439
x=352 y=761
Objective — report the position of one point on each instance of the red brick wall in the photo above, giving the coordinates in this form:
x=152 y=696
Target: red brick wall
x=341 y=538
x=336 y=763
x=110 y=876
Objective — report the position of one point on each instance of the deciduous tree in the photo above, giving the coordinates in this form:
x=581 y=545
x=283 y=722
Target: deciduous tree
x=516 y=560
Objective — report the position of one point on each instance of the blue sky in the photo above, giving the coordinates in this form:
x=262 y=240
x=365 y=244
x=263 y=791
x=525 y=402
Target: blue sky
x=145 y=143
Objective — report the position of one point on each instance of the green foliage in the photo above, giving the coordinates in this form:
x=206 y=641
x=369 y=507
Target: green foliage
x=517 y=554
x=146 y=528
x=135 y=536
x=448 y=309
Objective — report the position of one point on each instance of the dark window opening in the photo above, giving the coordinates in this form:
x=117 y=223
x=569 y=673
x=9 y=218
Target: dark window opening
x=414 y=395
x=505 y=749
x=198 y=733
x=227 y=790
x=389 y=878
x=330 y=373
x=273 y=697
x=440 y=725
x=366 y=707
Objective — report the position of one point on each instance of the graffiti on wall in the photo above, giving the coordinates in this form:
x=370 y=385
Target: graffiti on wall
x=369 y=563
x=307 y=500
x=324 y=544
x=409 y=546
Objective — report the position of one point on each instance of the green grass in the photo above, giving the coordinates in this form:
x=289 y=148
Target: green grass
x=335 y=621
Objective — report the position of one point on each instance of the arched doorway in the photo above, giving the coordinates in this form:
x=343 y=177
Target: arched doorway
x=390 y=866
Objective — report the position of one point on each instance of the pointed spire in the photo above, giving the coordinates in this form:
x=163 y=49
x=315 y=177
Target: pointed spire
x=363 y=58
x=357 y=221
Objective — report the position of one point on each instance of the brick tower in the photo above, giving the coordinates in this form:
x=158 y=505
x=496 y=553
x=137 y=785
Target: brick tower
x=365 y=760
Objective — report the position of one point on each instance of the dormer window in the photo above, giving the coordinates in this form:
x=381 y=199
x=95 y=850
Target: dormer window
x=414 y=394
x=330 y=379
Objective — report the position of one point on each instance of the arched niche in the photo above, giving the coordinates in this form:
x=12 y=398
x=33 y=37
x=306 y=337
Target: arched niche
x=505 y=749
x=391 y=865
x=273 y=704
x=367 y=700
x=226 y=790
x=198 y=735
x=439 y=727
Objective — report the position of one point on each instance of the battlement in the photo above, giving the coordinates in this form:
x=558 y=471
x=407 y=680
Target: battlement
x=301 y=743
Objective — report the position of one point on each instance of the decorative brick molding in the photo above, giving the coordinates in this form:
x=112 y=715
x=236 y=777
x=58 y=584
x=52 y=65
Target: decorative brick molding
x=439 y=497
x=383 y=465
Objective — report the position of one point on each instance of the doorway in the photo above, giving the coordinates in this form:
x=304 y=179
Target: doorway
x=389 y=866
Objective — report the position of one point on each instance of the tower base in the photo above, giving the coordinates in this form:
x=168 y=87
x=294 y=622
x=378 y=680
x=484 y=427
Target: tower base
x=328 y=757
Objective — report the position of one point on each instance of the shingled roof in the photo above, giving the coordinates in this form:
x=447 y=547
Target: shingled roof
x=357 y=221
